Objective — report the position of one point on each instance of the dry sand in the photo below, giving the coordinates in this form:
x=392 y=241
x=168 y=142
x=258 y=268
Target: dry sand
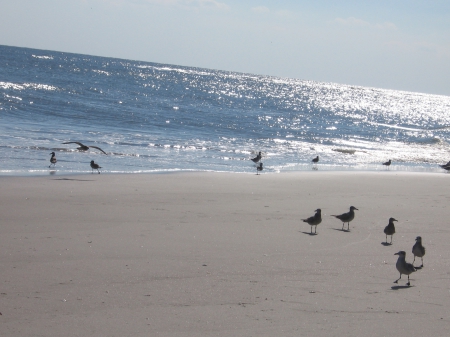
x=211 y=254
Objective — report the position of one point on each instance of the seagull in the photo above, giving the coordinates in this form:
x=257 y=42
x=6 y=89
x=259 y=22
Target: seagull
x=95 y=166
x=403 y=267
x=259 y=168
x=347 y=217
x=257 y=158
x=418 y=250
x=388 y=163
x=84 y=147
x=52 y=160
x=315 y=160
x=314 y=220
x=390 y=229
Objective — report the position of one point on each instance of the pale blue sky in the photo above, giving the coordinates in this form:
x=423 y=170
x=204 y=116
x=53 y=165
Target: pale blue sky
x=393 y=44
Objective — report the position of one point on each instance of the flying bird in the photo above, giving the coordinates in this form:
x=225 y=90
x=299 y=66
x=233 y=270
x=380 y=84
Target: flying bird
x=95 y=166
x=390 y=229
x=84 y=147
x=403 y=267
x=257 y=158
x=314 y=220
x=347 y=217
x=53 y=160
x=418 y=250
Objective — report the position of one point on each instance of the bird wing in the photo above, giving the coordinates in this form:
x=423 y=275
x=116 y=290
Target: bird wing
x=74 y=143
x=96 y=147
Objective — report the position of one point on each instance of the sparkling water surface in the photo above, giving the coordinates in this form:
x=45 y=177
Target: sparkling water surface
x=152 y=118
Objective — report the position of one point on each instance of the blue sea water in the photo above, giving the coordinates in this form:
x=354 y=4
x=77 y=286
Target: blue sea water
x=151 y=118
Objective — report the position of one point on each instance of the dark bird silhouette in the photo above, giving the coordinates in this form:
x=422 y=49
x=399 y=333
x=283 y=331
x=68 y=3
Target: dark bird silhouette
x=387 y=164
x=418 y=250
x=390 y=229
x=314 y=220
x=403 y=267
x=257 y=158
x=315 y=160
x=84 y=147
x=95 y=166
x=259 y=168
x=52 y=160
x=347 y=217
x=445 y=167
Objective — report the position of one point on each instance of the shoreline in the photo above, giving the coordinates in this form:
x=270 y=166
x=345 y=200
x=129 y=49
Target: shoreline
x=198 y=253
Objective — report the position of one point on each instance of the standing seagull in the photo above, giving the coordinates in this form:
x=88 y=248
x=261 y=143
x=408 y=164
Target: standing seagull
x=259 y=168
x=95 y=166
x=257 y=158
x=390 y=229
x=315 y=160
x=84 y=147
x=314 y=220
x=347 y=217
x=403 y=267
x=418 y=250
x=52 y=160
x=387 y=164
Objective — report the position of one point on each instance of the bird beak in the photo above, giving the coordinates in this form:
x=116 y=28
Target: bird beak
x=396 y=254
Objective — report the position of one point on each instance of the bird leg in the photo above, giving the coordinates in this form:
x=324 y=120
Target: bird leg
x=343 y=225
x=408 y=284
x=396 y=281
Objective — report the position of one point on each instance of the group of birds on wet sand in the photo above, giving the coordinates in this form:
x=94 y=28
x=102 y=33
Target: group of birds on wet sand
x=403 y=267
x=82 y=147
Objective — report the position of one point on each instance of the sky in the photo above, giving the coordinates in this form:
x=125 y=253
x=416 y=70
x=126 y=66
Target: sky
x=391 y=44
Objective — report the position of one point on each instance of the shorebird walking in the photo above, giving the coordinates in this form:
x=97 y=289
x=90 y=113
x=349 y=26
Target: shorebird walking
x=95 y=166
x=387 y=164
x=418 y=250
x=314 y=220
x=347 y=217
x=52 y=160
x=257 y=158
x=84 y=147
x=403 y=267
x=390 y=229
x=259 y=168
x=315 y=160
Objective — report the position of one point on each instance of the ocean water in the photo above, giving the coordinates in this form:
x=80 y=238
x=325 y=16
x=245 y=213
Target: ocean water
x=152 y=118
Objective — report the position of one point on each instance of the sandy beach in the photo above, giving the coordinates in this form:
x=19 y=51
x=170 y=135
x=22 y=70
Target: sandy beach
x=219 y=254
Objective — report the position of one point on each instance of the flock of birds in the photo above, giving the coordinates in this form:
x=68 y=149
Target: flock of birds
x=82 y=147
x=403 y=267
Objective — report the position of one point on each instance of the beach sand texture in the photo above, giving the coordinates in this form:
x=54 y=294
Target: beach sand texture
x=218 y=254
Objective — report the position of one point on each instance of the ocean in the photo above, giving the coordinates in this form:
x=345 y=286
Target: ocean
x=157 y=118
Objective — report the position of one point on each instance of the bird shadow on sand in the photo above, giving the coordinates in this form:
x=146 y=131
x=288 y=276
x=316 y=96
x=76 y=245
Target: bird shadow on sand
x=341 y=230
x=386 y=244
x=309 y=233
x=73 y=179
x=401 y=287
